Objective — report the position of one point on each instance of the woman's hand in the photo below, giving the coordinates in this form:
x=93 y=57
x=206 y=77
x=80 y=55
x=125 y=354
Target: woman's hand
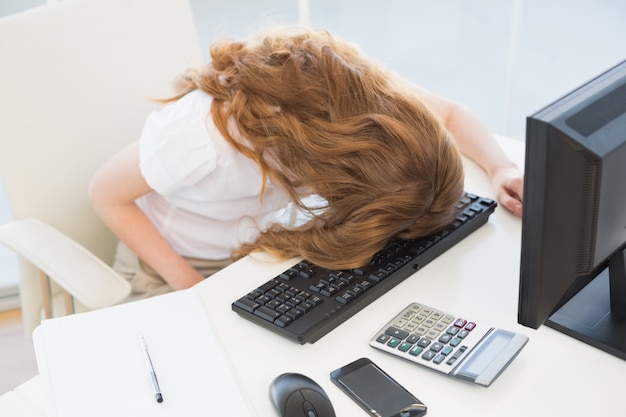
x=508 y=184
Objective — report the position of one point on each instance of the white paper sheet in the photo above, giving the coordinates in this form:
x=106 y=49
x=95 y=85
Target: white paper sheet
x=92 y=364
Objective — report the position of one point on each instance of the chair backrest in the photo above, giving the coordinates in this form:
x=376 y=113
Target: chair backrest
x=76 y=83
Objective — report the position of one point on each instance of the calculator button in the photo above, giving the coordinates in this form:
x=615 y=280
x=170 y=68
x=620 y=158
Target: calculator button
x=438 y=359
x=404 y=346
x=400 y=323
x=440 y=327
x=408 y=315
x=428 y=355
x=429 y=323
x=436 y=347
x=447 y=350
x=447 y=319
x=456 y=355
x=452 y=330
x=421 y=330
x=423 y=342
x=436 y=315
x=410 y=326
x=415 y=308
x=460 y=323
x=455 y=342
x=432 y=334
x=459 y=352
x=395 y=332
x=394 y=342
x=416 y=350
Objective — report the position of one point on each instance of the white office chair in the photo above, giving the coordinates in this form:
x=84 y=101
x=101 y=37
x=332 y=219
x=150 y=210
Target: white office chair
x=76 y=82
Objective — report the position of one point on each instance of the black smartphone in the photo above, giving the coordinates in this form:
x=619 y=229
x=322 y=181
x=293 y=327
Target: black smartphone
x=375 y=391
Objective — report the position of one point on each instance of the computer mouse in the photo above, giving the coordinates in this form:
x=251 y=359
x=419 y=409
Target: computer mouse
x=297 y=395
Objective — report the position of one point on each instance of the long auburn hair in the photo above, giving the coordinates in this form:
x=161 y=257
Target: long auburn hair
x=314 y=113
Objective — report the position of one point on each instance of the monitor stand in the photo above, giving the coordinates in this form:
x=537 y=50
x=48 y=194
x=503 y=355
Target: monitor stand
x=596 y=315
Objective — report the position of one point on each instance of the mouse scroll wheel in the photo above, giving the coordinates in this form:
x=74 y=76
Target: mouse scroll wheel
x=309 y=410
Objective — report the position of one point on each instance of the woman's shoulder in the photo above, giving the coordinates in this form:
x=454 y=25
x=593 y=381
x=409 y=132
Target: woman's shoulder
x=196 y=101
x=192 y=106
x=179 y=144
x=189 y=116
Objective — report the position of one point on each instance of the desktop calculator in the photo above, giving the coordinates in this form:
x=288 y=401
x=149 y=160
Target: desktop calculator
x=453 y=345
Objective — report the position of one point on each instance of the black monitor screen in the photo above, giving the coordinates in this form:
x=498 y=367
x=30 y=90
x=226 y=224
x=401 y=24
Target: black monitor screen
x=572 y=273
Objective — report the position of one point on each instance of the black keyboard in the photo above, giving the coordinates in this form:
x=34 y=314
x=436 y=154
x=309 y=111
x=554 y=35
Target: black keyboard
x=306 y=302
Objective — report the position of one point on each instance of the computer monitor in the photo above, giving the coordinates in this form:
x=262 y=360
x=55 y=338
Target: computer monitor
x=572 y=267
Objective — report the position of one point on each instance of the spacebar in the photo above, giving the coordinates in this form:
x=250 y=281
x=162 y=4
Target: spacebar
x=266 y=313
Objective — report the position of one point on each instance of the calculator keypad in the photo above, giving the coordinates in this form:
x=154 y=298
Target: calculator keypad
x=429 y=337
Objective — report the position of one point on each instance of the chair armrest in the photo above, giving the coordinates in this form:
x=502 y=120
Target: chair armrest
x=79 y=272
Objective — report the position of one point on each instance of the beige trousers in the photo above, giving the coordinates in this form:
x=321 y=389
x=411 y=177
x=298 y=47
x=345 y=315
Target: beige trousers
x=146 y=282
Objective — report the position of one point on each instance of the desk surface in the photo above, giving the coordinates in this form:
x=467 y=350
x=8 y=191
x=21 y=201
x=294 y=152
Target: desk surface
x=554 y=374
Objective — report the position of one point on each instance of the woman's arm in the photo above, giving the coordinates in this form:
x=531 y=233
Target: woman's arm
x=113 y=191
x=476 y=141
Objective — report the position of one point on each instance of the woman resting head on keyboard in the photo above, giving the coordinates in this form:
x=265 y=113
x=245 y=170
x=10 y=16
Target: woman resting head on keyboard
x=270 y=121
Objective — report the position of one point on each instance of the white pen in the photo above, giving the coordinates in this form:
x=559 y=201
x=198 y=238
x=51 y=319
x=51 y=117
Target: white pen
x=155 y=382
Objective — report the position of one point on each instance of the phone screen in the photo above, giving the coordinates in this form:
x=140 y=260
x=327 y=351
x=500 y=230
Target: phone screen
x=374 y=390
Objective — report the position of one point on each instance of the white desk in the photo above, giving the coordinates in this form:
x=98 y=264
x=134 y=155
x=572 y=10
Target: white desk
x=554 y=375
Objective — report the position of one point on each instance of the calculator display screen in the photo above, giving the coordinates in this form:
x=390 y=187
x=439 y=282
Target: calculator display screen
x=486 y=353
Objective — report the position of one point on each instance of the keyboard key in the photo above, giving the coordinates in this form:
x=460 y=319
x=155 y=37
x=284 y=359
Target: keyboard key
x=267 y=286
x=266 y=313
x=378 y=275
x=289 y=274
x=282 y=321
x=345 y=298
x=247 y=304
x=294 y=313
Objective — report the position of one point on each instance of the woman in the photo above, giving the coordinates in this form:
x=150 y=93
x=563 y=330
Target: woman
x=272 y=121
